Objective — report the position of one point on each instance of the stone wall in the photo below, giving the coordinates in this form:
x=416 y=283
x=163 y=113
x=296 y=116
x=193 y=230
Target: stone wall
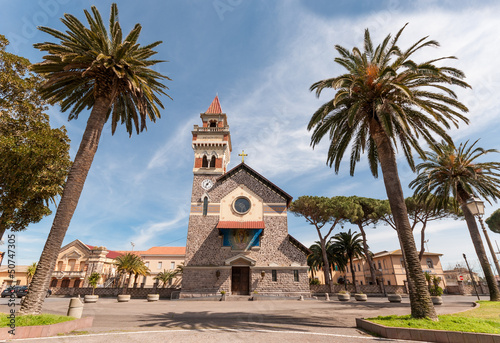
x=136 y=293
x=367 y=289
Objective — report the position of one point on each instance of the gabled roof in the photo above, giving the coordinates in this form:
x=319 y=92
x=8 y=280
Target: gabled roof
x=165 y=251
x=243 y=166
x=214 y=107
x=299 y=245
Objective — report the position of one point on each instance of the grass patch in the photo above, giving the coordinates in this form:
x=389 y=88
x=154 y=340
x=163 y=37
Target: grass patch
x=485 y=319
x=32 y=320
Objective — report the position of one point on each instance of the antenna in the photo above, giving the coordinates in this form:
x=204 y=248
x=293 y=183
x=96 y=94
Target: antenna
x=133 y=245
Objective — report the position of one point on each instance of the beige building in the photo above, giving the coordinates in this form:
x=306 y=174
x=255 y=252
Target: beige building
x=77 y=260
x=459 y=274
x=20 y=276
x=238 y=239
x=389 y=269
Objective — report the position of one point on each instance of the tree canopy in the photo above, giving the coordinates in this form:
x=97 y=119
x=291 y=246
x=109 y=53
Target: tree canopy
x=493 y=221
x=34 y=157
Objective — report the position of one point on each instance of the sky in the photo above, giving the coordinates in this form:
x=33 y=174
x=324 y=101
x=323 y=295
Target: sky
x=260 y=57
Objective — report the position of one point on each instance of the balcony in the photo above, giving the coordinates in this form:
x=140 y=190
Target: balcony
x=209 y=129
x=68 y=274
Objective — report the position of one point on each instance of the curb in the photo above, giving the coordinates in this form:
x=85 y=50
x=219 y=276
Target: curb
x=46 y=330
x=439 y=336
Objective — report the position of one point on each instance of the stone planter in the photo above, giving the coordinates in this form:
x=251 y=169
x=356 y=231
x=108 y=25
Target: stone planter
x=122 y=298
x=394 y=298
x=360 y=297
x=344 y=296
x=153 y=297
x=437 y=300
x=90 y=299
x=223 y=297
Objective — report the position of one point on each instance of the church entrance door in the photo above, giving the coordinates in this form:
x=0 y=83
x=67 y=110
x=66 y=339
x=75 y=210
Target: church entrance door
x=240 y=280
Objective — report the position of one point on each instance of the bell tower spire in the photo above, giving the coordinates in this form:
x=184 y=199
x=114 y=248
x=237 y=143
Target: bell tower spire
x=212 y=141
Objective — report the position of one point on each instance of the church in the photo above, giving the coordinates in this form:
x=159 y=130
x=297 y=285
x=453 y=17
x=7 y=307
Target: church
x=238 y=240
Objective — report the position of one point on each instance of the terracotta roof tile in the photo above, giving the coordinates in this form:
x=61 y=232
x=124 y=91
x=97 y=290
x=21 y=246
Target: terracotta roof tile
x=165 y=251
x=214 y=107
x=240 y=225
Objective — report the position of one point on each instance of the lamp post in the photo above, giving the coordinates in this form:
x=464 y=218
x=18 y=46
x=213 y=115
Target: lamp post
x=476 y=206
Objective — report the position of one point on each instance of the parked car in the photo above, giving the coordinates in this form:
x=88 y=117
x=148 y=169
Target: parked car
x=9 y=291
x=21 y=291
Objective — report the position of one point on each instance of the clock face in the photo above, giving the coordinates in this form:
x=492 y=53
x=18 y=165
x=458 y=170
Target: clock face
x=241 y=205
x=207 y=184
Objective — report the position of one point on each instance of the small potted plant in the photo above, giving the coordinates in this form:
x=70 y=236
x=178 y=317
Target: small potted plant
x=344 y=296
x=153 y=297
x=93 y=280
x=360 y=296
x=436 y=291
x=223 y=297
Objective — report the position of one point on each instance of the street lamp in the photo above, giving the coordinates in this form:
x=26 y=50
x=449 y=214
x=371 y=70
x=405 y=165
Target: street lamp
x=476 y=206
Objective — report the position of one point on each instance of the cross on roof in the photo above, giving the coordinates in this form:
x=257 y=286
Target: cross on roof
x=242 y=156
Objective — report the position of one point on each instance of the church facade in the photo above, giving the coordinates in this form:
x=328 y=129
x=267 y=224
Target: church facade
x=238 y=239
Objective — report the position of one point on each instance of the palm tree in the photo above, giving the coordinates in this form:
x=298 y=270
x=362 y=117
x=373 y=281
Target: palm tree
x=349 y=244
x=455 y=171
x=30 y=272
x=130 y=264
x=385 y=97
x=140 y=270
x=91 y=68
x=165 y=276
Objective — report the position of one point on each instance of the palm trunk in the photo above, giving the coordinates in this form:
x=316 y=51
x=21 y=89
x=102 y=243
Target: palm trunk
x=479 y=247
x=353 y=273
x=422 y=241
x=69 y=200
x=326 y=264
x=420 y=299
x=367 y=255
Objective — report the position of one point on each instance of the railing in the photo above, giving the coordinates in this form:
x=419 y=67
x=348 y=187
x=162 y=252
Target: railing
x=209 y=129
x=70 y=274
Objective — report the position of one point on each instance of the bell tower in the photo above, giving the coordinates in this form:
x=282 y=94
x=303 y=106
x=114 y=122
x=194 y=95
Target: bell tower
x=212 y=142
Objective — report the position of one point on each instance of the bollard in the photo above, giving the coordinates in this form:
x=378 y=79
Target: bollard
x=75 y=308
x=301 y=298
x=327 y=296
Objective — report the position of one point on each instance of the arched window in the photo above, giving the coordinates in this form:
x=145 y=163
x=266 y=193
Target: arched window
x=53 y=283
x=429 y=263
x=205 y=206
x=77 y=283
x=213 y=123
x=204 y=163
x=212 y=162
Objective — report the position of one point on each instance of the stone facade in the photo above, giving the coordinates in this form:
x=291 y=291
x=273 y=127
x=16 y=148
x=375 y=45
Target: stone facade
x=272 y=263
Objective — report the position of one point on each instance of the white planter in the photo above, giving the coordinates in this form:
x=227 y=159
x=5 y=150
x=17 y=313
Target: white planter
x=122 y=298
x=360 y=297
x=90 y=299
x=344 y=296
x=153 y=297
x=394 y=298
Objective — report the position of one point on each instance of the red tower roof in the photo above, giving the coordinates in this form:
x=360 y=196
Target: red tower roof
x=214 y=107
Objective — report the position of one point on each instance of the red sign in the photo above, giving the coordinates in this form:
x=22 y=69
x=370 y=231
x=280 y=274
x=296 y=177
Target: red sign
x=461 y=278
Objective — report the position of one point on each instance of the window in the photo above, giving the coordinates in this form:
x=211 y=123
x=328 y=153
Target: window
x=159 y=265
x=296 y=275
x=379 y=265
x=71 y=264
x=336 y=267
x=65 y=283
x=77 y=283
x=347 y=269
x=172 y=265
x=402 y=263
x=388 y=282
x=429 y=263
x=53 y=283
x=204 y=163
x=361 y=282
x=359 y=268
x=274 y=275
x=212 y=162
x=60 y=265
x=213 y=123
x=205 y=206
x=82 y=266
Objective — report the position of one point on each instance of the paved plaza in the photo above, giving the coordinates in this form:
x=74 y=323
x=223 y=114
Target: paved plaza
x=234 y=321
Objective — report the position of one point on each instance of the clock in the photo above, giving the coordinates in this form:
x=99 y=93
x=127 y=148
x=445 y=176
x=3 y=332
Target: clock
x=207 y=184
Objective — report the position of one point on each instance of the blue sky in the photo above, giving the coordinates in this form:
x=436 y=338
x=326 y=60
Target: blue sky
x=260 y=57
